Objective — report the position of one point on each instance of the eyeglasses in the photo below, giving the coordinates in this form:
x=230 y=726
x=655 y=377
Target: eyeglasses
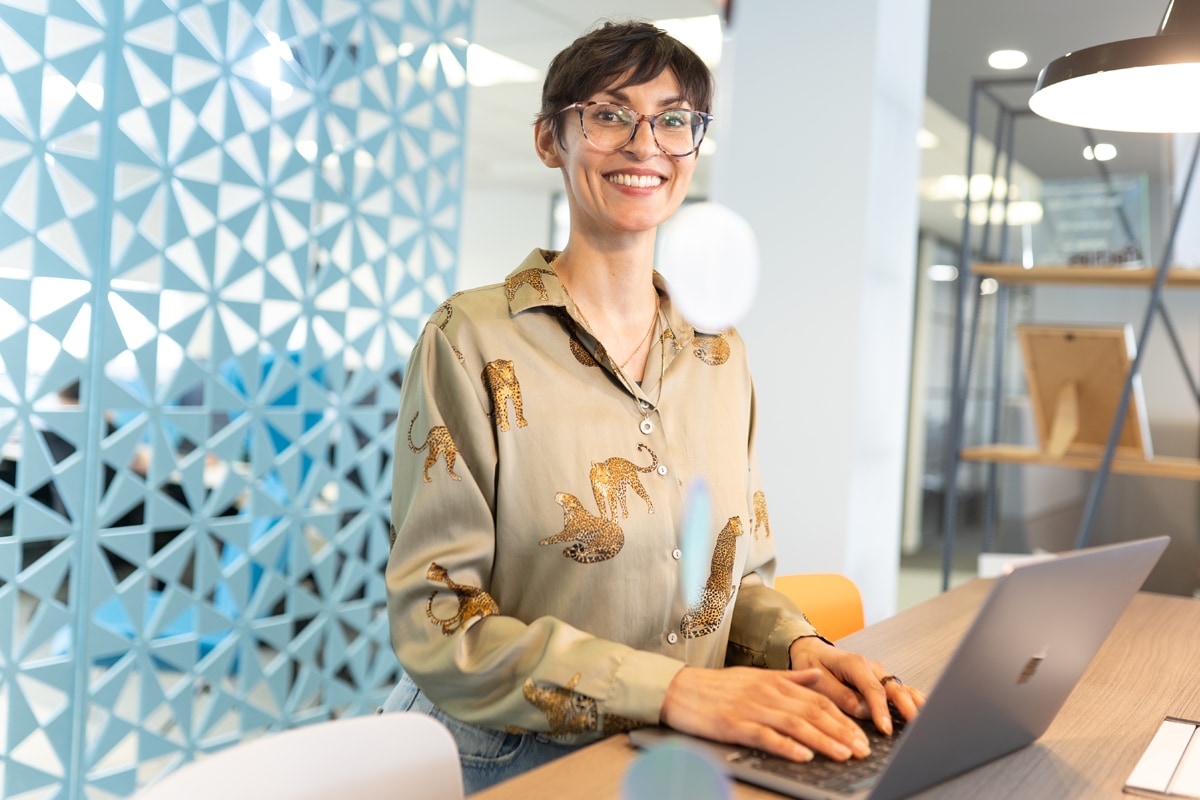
x=677 y=131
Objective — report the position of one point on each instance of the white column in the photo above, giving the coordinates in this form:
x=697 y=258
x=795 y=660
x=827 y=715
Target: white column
x=818 y=108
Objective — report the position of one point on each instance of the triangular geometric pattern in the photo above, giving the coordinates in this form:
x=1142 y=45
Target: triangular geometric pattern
x=222 y=223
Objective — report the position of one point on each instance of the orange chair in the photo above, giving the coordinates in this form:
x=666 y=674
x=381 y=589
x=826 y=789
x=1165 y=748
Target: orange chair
x=831 y=602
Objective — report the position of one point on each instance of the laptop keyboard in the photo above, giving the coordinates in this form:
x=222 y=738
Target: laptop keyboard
x=838 y=776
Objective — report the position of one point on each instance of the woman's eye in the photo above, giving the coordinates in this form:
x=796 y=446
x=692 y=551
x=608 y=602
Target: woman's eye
x=610 y=114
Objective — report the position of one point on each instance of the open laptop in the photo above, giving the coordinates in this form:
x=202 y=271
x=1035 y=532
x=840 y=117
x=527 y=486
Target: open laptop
x=1031 y=641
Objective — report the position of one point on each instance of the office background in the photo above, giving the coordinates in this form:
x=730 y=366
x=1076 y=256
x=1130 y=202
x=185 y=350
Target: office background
x=223 y=226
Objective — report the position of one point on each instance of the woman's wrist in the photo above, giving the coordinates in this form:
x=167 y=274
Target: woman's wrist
x=802 y=642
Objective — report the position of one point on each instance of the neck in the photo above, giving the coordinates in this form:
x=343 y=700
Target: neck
x=612 y=284
x=614 y=296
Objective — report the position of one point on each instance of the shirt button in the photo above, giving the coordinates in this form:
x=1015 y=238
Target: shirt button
x=676 y=554
x=672 y=637
x=662 y=469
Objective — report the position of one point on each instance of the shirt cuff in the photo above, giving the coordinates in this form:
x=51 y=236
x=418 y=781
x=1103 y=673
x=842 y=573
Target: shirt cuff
x=780 y=641
x=640 y=686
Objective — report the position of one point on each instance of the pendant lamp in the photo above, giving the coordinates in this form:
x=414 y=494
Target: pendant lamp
x=1146 y=85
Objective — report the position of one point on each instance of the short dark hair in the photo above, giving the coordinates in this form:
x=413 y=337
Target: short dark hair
x=636 y=49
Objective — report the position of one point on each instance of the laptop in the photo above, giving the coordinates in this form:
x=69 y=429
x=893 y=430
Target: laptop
x=1027 y=648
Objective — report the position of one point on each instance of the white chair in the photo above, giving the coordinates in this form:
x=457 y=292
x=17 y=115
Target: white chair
x=375 y=757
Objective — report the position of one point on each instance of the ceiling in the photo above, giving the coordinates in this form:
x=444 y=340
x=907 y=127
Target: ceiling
x=961 y=35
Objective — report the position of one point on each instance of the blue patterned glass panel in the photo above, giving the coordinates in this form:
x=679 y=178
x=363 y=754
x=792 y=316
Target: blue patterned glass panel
x=221 y=225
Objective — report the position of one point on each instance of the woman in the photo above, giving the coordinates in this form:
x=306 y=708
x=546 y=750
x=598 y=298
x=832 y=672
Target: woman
x=549 y=429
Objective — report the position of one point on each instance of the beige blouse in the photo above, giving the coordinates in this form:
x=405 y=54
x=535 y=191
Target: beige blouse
x=534 y=582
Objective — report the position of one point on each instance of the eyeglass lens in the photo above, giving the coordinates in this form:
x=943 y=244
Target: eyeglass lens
x=678 y=131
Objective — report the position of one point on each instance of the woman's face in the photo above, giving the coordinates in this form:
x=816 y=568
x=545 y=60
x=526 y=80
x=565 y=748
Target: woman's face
x=629 y=190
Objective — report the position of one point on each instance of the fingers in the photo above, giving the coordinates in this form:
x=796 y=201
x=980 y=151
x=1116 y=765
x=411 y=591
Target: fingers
x=907 y=700
x=859 y=686
x=774 y=711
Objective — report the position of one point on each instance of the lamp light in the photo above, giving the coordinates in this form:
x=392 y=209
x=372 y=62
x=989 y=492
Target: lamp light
x=1145 y=85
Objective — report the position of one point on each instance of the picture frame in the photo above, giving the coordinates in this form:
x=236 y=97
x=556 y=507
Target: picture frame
x=1076 y=375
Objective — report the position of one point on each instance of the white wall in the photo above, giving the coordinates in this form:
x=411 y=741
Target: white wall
x=828 y=177
x=499 y=228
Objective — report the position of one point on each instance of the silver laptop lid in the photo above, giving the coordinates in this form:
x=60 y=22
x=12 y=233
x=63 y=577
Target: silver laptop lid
x=1036 y=633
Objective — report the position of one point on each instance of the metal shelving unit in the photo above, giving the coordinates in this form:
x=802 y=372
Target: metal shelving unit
x=997 y=266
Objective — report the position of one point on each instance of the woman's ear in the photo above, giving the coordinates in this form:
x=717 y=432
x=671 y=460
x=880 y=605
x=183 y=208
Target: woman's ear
x=546 y=144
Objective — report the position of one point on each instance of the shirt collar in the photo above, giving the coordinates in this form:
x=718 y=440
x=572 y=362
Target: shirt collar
x=522 y=285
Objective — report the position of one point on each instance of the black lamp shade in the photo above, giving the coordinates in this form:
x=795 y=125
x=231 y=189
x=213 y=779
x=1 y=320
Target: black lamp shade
x=1149 y=85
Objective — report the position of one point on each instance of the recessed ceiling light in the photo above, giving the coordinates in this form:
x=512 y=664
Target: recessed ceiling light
x=942 y=273
x=1007 y=59
x=1103 y=152
x=927 y=140
x=488 y=68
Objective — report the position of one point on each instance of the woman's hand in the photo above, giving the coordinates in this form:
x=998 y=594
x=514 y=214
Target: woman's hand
x=775 y=711
x=856 y=684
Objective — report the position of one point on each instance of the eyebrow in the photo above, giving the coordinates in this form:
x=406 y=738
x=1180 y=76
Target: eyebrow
x=624 y=98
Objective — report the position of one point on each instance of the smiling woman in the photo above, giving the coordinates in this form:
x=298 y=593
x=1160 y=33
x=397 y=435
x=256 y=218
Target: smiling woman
x=535 y=603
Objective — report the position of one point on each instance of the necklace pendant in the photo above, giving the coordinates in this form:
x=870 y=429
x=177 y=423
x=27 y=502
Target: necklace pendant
x=646 y=427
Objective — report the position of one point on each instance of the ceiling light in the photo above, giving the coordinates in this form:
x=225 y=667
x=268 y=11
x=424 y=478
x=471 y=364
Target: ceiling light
x=927 y=140
x=488 y=68
x=1007 y=59
x=954 y=187
x=942 y=273
x=1141 y=85
x=1102 y=152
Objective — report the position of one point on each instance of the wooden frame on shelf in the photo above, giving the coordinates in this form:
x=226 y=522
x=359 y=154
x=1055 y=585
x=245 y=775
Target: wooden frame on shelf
x=1075 y=375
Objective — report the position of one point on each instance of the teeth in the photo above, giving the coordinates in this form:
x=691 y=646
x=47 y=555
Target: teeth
x=640 y=181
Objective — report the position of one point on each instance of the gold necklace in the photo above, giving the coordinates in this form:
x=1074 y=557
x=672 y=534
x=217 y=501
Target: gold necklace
x=644 y=407
x=649 y=331
x=645 y=337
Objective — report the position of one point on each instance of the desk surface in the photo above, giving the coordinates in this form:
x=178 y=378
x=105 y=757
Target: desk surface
x=1146 y=670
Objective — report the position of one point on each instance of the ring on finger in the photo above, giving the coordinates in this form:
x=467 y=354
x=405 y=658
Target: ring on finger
x=886 y=679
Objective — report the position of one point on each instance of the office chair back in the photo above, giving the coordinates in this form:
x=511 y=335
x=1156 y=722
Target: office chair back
x=375 y=757
x=831 y=602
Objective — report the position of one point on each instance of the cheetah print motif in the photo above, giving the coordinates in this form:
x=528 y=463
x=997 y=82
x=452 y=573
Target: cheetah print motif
x=440 y=443
x=500 y=381
x=448 y=309
x=570 y=713
x=611 y=478
x=712 y=350
x=532 y=277
x=391 y=536
x=761 y=518
x=581 y=354
x=577 y=349
x=704 y=618
x=595 y=538
x=473 y=603
x=441 y=326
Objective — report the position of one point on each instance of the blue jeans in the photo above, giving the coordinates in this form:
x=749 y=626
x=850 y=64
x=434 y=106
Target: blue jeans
x=487 y=756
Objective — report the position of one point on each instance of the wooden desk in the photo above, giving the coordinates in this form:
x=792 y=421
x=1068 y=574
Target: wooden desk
x=1148 y=668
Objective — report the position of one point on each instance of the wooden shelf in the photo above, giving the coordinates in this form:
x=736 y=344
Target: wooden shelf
x=1087 y=276
x=1158 y=467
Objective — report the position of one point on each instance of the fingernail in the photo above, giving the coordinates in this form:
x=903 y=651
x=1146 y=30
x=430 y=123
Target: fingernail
x=862 y=747
x=842 y=752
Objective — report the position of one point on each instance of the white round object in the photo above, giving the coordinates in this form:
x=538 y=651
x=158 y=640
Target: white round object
x=709 y=256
